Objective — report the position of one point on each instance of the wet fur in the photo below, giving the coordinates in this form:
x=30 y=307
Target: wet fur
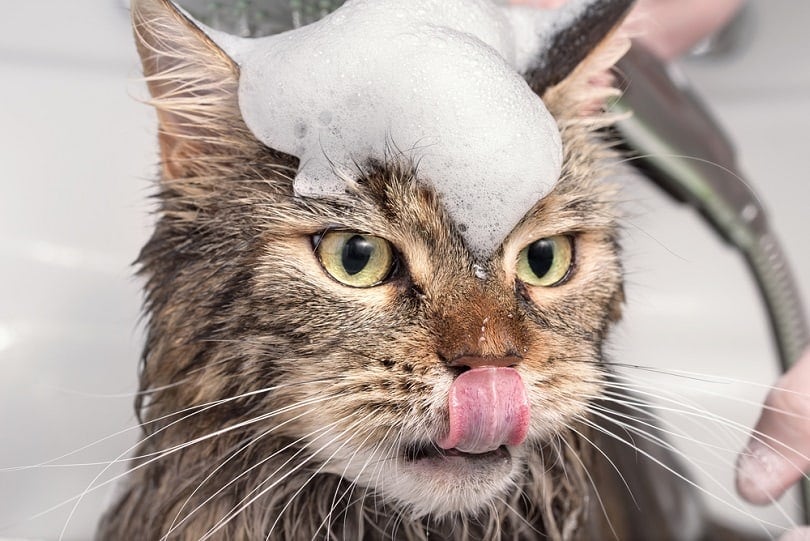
x=243 y=321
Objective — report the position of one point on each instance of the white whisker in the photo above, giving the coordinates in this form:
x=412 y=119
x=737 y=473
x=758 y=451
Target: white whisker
x=174 y=525
x=701 y=413
x=249 y=498
x=327 y=521
x=191 y=410
x=595 y=488
x=93 y=486
x=721 y=380
x=662 y=443
x=316 y=472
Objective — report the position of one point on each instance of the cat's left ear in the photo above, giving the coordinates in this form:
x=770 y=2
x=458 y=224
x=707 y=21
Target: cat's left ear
x=193 y=83
x=571 y=72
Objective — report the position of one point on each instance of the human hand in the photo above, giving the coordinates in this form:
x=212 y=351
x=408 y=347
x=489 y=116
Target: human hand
x=778 y=453
x=799 y=534
x=669 y=28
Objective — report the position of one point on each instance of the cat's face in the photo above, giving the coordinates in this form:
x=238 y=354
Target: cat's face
x=358 y=335
x=375 y=365
x=366 y=372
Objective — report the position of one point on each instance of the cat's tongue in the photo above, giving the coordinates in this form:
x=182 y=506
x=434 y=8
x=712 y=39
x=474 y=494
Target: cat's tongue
x=488 y=408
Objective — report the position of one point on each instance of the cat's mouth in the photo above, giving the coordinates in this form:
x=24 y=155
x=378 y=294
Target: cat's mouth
x=431 y=452
x=487 y=408
x=439 y=481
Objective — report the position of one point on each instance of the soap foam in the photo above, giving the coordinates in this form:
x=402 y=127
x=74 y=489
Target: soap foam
x=438 y=80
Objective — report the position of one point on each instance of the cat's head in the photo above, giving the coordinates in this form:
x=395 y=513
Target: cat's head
x=362 y=333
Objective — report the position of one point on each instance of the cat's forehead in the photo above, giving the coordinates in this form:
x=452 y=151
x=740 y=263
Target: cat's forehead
x=437 y=81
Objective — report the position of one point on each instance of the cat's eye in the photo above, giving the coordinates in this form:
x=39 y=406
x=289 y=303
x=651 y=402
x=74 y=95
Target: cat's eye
x=546 y=262
x=355 y=259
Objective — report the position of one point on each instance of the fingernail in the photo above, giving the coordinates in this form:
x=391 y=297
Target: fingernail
x=759 y=473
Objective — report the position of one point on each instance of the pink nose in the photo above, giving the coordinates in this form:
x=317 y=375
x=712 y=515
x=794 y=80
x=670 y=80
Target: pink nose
x=472 y=361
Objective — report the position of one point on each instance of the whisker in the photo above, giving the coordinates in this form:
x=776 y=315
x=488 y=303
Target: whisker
x=315 y=473
x=327 y=521
x=242 y=448
x=646 y=410
x=193 y=410
x=610 y=461
x=84 y=394
x=236 y=509
x=706 y=414
x=391 y=451
x=593 y=484
x=723 y=168
x=93 y=486
x=248 y=500
x=732 y=398
x=698 y=413
x=658 y=441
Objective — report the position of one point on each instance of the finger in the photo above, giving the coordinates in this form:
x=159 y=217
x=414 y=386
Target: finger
x=668 y=27
x=800 y=534
x=778 y=453
x=673 y=27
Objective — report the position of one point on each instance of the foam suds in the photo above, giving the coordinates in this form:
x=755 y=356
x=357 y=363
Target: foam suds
x=437 y=80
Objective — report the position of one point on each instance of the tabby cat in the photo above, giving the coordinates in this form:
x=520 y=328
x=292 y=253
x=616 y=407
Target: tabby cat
x=347 y=367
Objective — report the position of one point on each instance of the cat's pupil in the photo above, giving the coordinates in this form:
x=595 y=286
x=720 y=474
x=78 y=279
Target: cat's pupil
x=541 y=257
x=356 y=253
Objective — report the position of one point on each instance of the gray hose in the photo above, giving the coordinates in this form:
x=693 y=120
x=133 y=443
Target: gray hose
x=679 y=146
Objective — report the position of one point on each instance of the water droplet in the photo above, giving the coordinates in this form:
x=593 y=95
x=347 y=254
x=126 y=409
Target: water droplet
x=325 y=118
x=750 y=212
x=300 y=129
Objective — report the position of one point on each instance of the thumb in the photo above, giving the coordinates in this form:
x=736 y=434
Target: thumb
x=778 y=453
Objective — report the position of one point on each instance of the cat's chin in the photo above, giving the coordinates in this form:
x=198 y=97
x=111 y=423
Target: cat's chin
x=437 y=482
x=430 y=452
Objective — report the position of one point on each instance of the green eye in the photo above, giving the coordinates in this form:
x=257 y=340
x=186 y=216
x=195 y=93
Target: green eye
x=546 y=262
x=355 y=259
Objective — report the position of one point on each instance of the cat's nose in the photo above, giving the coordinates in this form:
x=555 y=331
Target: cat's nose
x=475 y=361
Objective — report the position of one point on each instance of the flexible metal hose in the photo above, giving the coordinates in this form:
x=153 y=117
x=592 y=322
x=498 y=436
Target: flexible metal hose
x=679 y=146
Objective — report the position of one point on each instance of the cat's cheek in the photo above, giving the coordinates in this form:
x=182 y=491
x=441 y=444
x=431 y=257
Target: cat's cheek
x=557 y=402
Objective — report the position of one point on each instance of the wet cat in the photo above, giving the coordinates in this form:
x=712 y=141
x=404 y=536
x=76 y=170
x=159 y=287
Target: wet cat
x=351 y=366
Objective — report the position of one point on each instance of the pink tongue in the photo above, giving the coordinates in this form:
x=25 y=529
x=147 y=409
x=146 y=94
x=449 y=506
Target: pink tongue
x=488 y=408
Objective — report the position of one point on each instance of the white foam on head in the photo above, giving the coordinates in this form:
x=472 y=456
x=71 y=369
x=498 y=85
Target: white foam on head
x=435 y=79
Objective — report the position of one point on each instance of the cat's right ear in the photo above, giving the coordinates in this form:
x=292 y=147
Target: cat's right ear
x=193 y=84
x=572 y=71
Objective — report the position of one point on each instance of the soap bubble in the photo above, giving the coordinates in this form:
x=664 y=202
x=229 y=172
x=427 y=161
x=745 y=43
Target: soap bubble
x=445 y=72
